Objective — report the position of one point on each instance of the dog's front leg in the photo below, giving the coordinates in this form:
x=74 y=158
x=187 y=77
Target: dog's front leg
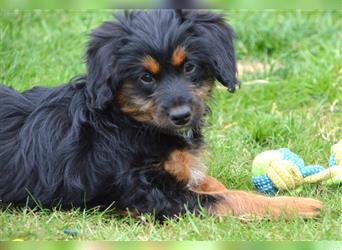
x=241 y=203
x=187 y=168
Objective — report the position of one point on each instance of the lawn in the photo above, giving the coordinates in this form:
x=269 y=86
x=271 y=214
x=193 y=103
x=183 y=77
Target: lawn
x=291 y=96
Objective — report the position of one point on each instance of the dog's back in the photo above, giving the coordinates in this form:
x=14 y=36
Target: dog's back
x=14 y=109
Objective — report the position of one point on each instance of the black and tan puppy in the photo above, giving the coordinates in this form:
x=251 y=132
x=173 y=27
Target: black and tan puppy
x=129 y=132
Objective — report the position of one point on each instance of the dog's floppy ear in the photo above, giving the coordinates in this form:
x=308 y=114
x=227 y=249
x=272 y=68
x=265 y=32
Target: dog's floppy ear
x=100 y=56
x=218 y=36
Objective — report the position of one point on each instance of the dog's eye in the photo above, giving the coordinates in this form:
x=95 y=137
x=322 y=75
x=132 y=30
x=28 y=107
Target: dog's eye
x=189 y=67
x=147 y=78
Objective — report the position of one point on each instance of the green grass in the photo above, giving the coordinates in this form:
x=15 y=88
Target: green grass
x=297 y=106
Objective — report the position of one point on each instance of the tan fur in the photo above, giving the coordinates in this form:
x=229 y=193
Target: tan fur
x=209 y=185
x=178 y=56
x=186 y=167
x=138 y=108
x=151 y=64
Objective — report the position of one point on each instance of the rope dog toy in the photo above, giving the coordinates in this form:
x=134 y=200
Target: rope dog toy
x=281 y=169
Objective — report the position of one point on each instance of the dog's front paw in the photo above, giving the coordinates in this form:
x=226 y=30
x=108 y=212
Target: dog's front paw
x=305 y=207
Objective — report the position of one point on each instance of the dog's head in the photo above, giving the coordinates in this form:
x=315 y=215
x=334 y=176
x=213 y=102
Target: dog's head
x=159 y=67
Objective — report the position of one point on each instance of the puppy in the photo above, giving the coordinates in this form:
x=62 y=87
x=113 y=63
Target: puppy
x=128 y=133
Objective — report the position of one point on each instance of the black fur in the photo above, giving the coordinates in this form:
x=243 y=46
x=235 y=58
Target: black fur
x=70 y=145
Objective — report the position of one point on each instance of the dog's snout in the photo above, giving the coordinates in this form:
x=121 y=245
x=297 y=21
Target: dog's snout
x=180 y=115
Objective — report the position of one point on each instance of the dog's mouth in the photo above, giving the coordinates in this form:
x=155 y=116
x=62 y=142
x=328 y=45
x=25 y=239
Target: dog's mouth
x=186 y=132
x=164 y=124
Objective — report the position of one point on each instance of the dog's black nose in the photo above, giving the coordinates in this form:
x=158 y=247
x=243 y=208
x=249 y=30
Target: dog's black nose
x=180 y=115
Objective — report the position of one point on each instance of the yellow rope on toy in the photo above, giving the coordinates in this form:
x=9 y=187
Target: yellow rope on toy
x=284 y=174
x=327 y=174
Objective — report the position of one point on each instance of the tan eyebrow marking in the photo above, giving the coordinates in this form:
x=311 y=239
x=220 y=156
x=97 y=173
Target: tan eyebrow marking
x=178 y=56
x=151 y=64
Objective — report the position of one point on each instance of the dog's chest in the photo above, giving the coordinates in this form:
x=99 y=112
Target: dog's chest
x=186 y=167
